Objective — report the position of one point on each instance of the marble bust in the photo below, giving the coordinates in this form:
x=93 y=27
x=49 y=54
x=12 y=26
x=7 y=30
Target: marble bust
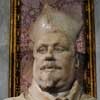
x=54 y=68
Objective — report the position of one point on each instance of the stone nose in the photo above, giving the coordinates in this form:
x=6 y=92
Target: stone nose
x=50 y=55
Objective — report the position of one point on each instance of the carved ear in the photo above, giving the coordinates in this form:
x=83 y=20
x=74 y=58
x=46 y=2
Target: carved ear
x=83 y=60
x=77 y=63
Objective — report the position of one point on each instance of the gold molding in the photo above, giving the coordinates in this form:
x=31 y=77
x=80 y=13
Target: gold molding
x=14 y=64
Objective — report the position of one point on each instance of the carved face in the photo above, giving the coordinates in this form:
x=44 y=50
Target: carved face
x=53 y=61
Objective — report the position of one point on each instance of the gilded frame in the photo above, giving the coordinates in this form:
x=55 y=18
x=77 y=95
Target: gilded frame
x=14 y=65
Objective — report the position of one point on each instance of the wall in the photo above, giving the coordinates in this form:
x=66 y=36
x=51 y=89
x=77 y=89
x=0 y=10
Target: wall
x=4 y=47
x=97 y=29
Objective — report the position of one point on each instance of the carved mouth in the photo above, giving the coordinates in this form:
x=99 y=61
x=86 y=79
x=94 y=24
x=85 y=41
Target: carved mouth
x=50 y=67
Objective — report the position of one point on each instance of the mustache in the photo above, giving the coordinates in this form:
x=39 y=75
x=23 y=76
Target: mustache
x=50 y=66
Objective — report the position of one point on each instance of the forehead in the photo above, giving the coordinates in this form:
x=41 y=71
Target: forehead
x=52 y=38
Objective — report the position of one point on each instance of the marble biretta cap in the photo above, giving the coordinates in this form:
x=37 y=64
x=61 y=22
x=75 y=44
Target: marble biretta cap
x=52 y=20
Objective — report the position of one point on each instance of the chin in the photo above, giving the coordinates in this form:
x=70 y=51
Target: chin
x=46 y=84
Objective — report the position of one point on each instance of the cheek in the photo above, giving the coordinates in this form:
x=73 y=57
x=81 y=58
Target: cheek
x=66 y=62
x=38 y=58
x=38 y=61
x=65 y=58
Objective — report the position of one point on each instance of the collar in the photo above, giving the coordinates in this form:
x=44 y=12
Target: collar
x=35 y=93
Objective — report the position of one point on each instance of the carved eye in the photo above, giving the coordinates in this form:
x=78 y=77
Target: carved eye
x=60 y=49
x=42 y=49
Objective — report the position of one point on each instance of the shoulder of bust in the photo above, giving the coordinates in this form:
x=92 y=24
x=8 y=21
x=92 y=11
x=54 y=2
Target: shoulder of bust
x=20 y=97
x=87 y=97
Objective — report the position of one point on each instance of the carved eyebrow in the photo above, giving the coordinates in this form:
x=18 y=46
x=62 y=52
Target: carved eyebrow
x=41 y=45
x=41 y=48
x=58 y=44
